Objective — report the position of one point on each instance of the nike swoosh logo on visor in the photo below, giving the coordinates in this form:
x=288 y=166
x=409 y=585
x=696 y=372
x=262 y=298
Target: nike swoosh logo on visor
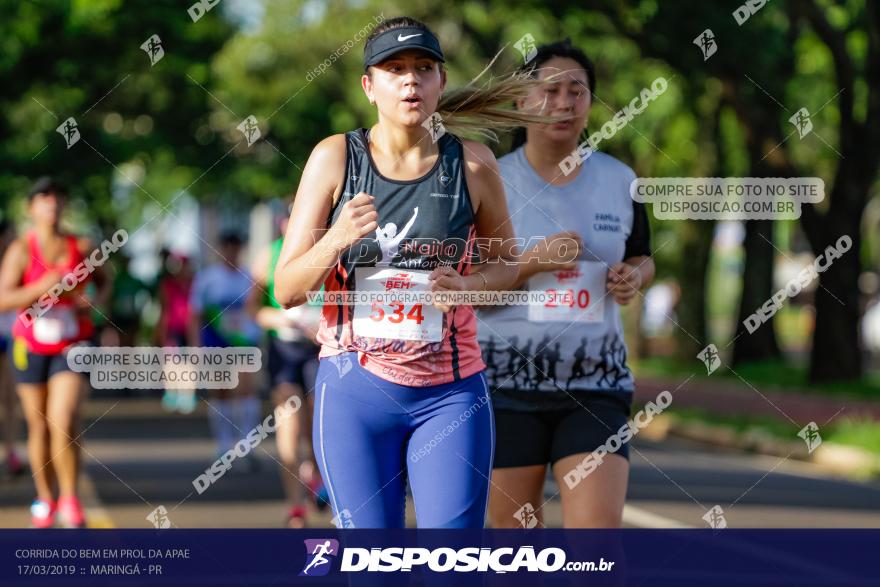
x=401 y=38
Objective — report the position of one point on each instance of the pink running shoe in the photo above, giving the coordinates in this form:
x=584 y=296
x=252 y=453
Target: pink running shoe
x=70 y=511
x=42 y=514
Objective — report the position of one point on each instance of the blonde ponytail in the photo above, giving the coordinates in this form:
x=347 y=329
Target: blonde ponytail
x=482 y=110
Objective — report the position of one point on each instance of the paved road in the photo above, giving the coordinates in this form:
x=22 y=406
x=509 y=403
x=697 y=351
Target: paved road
x=138 y=458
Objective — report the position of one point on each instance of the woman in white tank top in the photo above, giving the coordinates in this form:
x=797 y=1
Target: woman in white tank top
x=561 y=388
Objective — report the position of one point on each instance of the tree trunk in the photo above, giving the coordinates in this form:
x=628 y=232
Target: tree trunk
x=761 y=129
x=836 y=353
x=757 y=288
x=691 y=310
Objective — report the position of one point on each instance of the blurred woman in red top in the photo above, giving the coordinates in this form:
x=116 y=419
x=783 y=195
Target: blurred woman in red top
x=50 y=392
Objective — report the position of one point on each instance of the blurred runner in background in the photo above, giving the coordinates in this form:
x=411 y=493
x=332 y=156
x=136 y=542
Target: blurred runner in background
x=218 y=318
x=130 y=297
x=292 y=360
x=173 y=290
x=50 y=392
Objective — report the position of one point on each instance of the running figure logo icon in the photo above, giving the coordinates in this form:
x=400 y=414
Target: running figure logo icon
x=389 y=239
x=710 y=358
x=810 y=434
x=434 y=125
x=249 y=129
x=715 y=518
x=342 y=364
x=526 y=516
x=159 y=518
x=802 y=122
x=343 y=518
x=153 y=48
x=69 y=130
x=527 y=47
x=319 y=551
x=706 y=42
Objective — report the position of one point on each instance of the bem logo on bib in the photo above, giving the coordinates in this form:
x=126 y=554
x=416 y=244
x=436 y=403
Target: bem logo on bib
x=399 y=281
x=564 y=276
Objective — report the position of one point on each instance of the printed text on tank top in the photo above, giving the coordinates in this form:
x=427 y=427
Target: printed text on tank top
x=423 y=223
x=575 y=342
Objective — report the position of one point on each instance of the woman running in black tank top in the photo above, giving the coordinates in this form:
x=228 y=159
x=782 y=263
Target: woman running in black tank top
x=366 y=195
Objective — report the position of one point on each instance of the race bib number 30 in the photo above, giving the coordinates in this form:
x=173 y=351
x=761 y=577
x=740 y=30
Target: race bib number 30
x=577 y=295
x=401 y=320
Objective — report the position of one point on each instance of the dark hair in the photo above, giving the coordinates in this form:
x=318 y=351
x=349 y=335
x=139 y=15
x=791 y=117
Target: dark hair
x=544 y=54
x=231 y=237
x=46 y=184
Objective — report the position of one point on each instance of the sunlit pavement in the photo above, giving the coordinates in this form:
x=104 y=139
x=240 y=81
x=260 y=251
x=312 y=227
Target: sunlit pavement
x=138 y=458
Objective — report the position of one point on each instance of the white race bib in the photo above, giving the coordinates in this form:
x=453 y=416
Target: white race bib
x=572 y=296
x=56 y=325
x=401 y=321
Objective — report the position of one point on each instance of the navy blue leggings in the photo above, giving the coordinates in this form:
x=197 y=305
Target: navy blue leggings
x=371 y=435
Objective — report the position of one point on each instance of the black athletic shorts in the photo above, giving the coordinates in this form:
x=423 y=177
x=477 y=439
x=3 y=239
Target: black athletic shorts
x=31 y=367
x=524 y=438
x=287 y=361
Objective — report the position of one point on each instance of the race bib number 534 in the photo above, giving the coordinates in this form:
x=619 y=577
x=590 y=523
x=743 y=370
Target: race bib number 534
x=577 y=295
x=401 y=320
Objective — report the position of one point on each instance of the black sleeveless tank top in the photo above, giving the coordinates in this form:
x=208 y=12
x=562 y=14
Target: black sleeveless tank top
x=423 y=223
x=415 y=215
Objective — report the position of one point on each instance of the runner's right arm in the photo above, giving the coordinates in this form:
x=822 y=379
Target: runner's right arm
x=311 y=250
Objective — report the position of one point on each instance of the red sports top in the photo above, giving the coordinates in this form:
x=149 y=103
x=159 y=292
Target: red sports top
x=63 y=324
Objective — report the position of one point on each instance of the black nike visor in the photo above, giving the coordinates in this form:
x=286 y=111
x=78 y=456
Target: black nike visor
x=400 y=39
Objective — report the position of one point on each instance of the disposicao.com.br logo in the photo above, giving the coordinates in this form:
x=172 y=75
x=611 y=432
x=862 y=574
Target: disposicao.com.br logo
x=444 y=559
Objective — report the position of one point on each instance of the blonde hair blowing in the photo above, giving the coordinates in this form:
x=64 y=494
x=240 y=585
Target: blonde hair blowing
x=475 y=110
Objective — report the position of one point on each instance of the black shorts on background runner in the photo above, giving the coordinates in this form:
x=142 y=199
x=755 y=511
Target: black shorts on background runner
x=287 y=361
x=538 y=437
x=34 y=368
